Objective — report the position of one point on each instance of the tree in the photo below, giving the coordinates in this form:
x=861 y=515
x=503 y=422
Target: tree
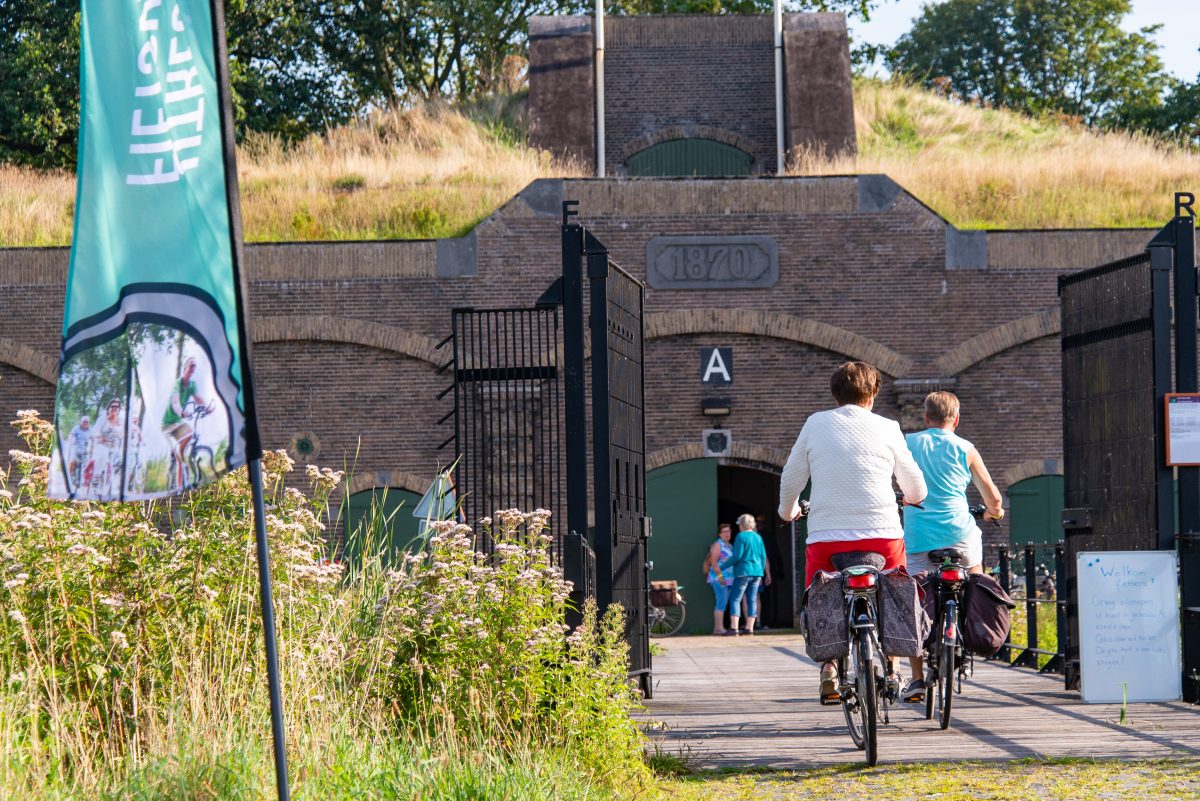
x=1038 y=56
x=39 y=83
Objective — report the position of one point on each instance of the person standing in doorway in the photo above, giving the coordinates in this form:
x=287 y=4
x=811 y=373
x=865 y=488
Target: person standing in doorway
x=720 y=580
x=749 y=561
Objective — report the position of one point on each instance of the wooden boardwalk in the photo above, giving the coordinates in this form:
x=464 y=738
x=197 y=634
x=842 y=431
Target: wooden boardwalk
x=751 y=701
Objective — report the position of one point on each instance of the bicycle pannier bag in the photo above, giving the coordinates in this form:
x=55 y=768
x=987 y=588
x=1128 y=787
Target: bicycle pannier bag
x=985 y=619
x=903 y=624
x=664 y=593
x=824 y=618
x=927 y=581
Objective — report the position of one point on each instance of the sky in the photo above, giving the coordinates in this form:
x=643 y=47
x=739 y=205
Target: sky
x=1178 y=40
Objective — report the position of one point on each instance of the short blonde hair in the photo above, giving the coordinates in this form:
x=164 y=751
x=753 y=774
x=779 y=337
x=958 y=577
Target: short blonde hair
x=746 y=522
x=941 y=407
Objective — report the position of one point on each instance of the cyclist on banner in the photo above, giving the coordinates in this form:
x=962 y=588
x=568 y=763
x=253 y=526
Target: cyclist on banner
x=851 y=455
x=107 y=450
x=949 y=463
x=183 y=392
x=78 y=441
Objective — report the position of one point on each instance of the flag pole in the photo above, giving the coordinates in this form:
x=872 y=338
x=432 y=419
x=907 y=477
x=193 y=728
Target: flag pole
x=253 y=441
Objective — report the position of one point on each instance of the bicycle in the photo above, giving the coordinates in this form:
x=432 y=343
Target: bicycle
x=946 y=659
x=866 y=684
x=199 y=463
x=667 y=619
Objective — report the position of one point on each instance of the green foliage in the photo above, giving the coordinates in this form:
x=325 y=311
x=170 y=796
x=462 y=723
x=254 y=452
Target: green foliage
x=131 y=651
x=1040 y=57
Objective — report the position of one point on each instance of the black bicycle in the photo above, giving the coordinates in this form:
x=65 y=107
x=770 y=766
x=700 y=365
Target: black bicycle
x=867 y=686
x=945 y=657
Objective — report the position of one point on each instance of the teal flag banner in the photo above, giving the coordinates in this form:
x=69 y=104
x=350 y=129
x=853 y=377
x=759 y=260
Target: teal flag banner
x=153 y=395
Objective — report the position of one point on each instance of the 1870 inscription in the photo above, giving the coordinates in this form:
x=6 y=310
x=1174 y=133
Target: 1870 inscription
x=712 y=262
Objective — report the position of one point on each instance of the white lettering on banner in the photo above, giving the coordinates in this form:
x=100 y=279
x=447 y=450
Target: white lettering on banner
x=168 y=146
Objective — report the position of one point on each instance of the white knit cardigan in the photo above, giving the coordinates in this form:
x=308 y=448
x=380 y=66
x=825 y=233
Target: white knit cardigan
x=851 y=455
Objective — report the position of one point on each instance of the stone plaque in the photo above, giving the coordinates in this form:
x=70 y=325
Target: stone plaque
x=712 y=262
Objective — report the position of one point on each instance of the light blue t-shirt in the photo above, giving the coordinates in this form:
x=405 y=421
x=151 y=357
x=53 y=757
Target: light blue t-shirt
x=749 y=555
x=946 y=519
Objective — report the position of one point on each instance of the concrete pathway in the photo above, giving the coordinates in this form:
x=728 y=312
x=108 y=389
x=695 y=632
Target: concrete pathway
x=751 y=701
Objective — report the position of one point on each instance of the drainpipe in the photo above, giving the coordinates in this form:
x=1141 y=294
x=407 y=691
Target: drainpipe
x=779 y=148
x=600 y=88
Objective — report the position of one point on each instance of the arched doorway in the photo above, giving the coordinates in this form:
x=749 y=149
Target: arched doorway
x=693 y=157
x=687 y=500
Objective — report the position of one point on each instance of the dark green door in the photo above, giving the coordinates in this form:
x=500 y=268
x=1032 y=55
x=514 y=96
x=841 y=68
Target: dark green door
x=381 y=521
x=696 y=157
x=681 y=499
x=1035 y=510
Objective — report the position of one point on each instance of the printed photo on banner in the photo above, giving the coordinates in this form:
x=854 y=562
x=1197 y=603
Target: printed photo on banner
x=143 y=414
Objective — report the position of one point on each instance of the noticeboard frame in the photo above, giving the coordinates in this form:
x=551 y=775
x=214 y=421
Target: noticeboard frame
x=1195 y=396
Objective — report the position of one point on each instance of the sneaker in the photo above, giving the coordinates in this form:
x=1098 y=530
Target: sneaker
x=829 y=685
x=730 y=632
x=914 y=691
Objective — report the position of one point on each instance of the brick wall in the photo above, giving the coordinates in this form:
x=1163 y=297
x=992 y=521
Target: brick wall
x=346 y=331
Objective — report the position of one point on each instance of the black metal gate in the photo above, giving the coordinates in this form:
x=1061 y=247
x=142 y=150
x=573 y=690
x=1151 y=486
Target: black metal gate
x=619 y=450
x=520 y=426
x=508 y=417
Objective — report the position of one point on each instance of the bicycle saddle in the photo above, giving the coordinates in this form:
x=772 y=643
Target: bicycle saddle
x=842 y=561
x=956 y=556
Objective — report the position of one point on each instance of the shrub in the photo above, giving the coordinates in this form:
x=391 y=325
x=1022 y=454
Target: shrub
x=131 y=653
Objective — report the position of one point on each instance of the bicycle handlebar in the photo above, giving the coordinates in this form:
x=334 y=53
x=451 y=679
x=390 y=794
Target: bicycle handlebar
x=979 y=511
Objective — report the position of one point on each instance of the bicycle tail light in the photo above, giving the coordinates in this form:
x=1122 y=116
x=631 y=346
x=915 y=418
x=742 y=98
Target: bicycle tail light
x=952 y=574
x=861 y=581
x=951 y=632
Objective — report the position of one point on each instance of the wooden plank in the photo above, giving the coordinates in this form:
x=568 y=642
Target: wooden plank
x=751 y=701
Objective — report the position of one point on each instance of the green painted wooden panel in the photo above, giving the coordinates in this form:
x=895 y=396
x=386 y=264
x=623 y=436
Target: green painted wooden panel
x=1035 y=510
x=690 y=157
x=681 y=499
x=379 y=516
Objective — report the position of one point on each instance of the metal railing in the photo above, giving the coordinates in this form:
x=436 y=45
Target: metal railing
x=1028 y=655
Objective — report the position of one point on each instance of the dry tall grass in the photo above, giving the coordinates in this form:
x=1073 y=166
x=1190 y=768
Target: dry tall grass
x=434 y=172
x=987 y=168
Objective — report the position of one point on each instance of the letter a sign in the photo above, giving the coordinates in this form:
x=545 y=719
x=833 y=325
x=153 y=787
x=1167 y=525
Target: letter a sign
x=716 y=365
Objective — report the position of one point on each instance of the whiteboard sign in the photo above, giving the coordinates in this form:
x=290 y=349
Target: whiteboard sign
x=1129 y=626
x=1183 y=428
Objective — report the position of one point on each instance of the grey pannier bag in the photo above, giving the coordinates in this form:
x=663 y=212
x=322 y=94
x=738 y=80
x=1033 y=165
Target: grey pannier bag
x=824 y=618
x=903 y=623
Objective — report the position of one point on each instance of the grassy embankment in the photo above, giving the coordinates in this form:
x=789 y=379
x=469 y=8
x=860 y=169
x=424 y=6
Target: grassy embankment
x=437 y=172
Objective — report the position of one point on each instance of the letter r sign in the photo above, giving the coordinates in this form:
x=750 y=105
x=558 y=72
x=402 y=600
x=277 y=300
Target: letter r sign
x=716 y=365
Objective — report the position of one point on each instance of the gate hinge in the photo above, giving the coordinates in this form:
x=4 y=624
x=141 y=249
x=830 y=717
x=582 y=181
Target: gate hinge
x=647 y=528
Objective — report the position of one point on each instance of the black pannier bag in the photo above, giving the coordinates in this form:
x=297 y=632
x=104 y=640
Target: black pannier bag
x=824 y=618
x=985 y=620
x=903 y=623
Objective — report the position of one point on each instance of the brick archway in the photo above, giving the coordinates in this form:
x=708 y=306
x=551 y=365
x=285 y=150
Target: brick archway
x=999 y=339
x=1032 y=468
x=777 y=326
x=674 y=133
x=744 y=454
x=380 y=479
x=341 y=329
x=34 y=362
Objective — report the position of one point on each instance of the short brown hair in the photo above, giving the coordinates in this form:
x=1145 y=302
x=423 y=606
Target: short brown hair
x=724 y=526
x=941 y=407
x=855 y=382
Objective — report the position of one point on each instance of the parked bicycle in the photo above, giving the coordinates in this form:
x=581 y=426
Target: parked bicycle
x=946 y=659
x=668 y=609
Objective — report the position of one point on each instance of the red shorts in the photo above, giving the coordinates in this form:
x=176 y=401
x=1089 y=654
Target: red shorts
x=819 y=555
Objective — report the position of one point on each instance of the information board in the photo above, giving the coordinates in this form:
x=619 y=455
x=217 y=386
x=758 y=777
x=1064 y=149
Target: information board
x=1129 y=626
x=1183 y=428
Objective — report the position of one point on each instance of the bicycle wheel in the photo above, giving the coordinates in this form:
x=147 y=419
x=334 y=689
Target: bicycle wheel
x=667 y=620
x=852 y=705
x=201 y=465
x=946 y=671
x=867 y=699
